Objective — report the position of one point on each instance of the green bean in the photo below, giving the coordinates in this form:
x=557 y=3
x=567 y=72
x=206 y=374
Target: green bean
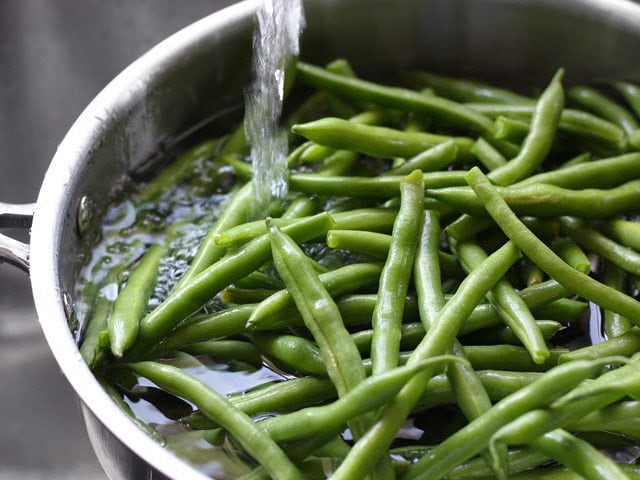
x=394 y=279
x=510 y=357
x=626 y=345
x=376 y=141
x=392 y=97
x=373 y=219
x=320 y=314
x=572 y=254
x=594 y=241
x=301 y=206
x=544 y=257
x=366 y=396
x=437 y=341
x=597 y=103
x=295 y=354
x=572 y=122
x=533 y=274
x=624 y=231
x=543 y=200
x=241 y=168
x=519 y=460
x=614 y=324
x=234 y=213
x=510 y=307
x=252 y=439
x=511 y=129
x=260 y=280
x=468 y=441
x=631 y=94
x=369 y=187
x=504 y=334
x=578 y=455
x=338 y=163
x=465 y=227
x=605 y=173
x=613 y=417
x=487 y=154
x=337 y=282
x=227 y=350
x=241 y=296
x=430 y=160
x=563 y=310
x=465 y=90
x=205 y=285
x=537 y=144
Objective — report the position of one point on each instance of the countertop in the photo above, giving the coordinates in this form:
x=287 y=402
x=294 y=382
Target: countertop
x=55 y=56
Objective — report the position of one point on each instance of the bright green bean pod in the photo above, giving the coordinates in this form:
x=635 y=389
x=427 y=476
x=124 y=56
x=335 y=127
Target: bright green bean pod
x=584 y=157
x=572 y=254
x=510 y=357
x=614 y=324
x=227 y=350
x=511 y=129
x=432 y=159
x=252 y=439
x=301 y=206
x=293 y=353
x=209 y=252
x=604 y=173
x=462 y=90
x=336 y=282
x=631 y=94
x=438 y=340
x=617 y=416
x=537 y=144
x=369 y=187
x=132 y=301
x=579 y=456
x=625 y=232
x=519 y=460
x=205 y=285
x=595 y=242
x=320 y=314
x=575 y=123
x=511 y=307
x=392 y=97
x=544 y=201
x=241 y=296
x=559 y=473
x=376 y=141
x=372 y=393
x=471 y=439
x=597 y=103
x=394 y=279
x=544 y=257
x=626 y=345
x=504 y=334
x=260 y=280
x=487 y=154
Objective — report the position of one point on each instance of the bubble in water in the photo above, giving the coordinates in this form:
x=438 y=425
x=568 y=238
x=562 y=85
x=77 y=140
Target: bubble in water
x=276 y=40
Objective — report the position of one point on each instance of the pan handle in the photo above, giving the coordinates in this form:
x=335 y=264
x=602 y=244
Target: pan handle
x=15 y=216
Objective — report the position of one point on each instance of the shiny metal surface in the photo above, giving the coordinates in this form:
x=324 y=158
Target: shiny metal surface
x=204 y=68
x=14 y=251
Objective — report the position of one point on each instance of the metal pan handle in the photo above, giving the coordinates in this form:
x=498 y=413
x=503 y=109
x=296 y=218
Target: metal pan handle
x=15 y=216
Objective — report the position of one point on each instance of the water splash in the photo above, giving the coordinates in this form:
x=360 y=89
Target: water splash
x=276 y=40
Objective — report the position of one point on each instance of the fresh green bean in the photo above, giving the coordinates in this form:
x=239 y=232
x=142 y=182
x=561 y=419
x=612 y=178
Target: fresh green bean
x=584 y=157
x=597 y=103
x=293 y=353
x=614 y=324
x=252 y=439
x=625 y=231
x=631 y=94
x=376 y=141
x=544 y=257
x=487 y=154
x=510 y=307
x=537 y=144
x=595 y=242
x=227 y=350
x=511 y=129
x=430 y=160
x=579 y=456
x=392 y=97
x=465 y=90
x=394 y=279
x=504 y=334
x=626 y=345
x=559 y=473
x=544 y=200
x=572 y=254
x=241 y=296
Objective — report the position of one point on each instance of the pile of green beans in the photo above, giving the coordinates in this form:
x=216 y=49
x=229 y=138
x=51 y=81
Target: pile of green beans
x=450 y=289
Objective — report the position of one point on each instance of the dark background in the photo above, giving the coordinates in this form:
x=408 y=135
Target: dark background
x=55 y=56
